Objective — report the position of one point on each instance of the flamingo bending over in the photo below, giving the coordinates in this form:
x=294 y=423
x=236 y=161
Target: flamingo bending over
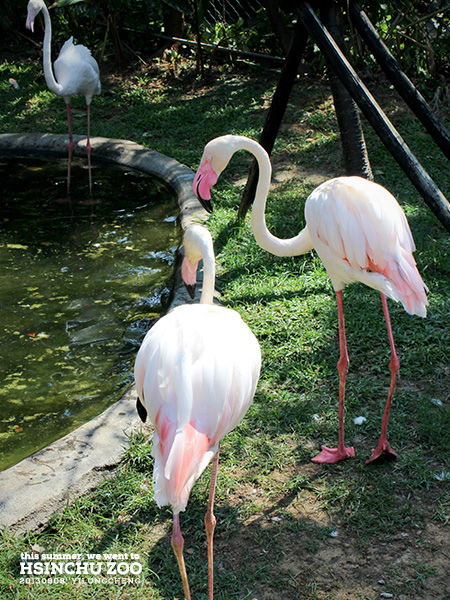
x=77 y=74
x=196 y=374
x=360 y=233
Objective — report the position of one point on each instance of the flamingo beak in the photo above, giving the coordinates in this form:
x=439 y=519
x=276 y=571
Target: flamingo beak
x=206 y=204
x=142 y=411
x=31 y=15
x=204 y=180
x=191 y=290
x=29 y=24
x=189 y=275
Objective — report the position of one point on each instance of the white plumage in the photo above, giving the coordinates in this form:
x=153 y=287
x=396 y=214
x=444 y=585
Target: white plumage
x=77 y=72
x=196 y=372
x=361 y=234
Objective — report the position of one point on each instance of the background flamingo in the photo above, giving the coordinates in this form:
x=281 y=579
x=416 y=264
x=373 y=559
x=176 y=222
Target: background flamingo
x=77 y=74
x=196 y=374
x=360 y=233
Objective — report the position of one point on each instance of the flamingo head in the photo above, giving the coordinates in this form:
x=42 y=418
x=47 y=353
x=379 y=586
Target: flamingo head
x=34 y=6
x=215 y=158
x=198 y=245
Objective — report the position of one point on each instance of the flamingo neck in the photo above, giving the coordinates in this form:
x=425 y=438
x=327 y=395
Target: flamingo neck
x=209 y=273
x=288 y=247
x=52 y=84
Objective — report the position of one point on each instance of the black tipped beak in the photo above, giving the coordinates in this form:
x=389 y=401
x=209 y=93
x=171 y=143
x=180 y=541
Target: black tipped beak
x=205 y=203
x=142 y=412
x=191 y=290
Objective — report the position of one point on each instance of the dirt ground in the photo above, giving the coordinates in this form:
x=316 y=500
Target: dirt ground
x=411 y=565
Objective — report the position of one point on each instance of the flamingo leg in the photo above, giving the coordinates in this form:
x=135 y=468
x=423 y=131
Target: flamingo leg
x=210 y=524
x=383 y=448
x=69 y=122
x=88 y=146
x=332 y=455
x=177 y=546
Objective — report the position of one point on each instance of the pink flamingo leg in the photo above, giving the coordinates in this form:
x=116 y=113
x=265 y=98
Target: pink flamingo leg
x=383 y=448
x=88 y=146
x=333 y=455
x=210 y=524
x=69 y=121
x=177 y=546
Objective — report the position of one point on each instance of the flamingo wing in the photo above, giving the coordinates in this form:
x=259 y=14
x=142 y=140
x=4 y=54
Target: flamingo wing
x=361 y=234
x=77 y=71
x=196 y=371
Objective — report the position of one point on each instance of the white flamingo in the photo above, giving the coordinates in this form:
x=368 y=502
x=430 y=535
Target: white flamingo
x=76 y=71
x=196 y=374
x=360 y=233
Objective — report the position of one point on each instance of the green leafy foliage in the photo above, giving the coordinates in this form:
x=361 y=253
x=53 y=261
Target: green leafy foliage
x=415 y=32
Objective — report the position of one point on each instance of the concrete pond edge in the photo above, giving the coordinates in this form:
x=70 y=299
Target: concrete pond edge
x=41 y=485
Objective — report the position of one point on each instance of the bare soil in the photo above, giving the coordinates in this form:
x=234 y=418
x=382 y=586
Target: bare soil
x=410 y=565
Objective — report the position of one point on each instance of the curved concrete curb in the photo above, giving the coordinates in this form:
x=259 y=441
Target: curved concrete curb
x=40 y=485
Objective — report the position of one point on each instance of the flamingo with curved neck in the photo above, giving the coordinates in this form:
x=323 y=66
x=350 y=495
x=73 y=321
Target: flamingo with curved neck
x=360 y=233
x=77 y=74
x=196 y=373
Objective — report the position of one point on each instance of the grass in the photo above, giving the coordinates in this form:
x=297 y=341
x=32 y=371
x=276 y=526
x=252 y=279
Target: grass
x=275 y=509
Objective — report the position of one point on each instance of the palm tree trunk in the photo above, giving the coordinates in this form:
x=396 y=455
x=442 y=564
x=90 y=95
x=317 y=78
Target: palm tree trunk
x=356 y=159
x=276 y=111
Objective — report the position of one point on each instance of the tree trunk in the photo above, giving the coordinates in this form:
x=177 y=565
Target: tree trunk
x=199 y=54
x=173 y=21
x=279 y=27
x=276 y=111
x=356 y=159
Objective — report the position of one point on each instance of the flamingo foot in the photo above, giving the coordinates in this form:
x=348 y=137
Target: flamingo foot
x=333 y=455
x=382 y=452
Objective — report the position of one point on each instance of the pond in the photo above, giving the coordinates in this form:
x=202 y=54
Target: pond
x=81 y=280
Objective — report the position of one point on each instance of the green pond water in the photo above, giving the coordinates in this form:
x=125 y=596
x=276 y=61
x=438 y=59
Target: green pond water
x=81 y=279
